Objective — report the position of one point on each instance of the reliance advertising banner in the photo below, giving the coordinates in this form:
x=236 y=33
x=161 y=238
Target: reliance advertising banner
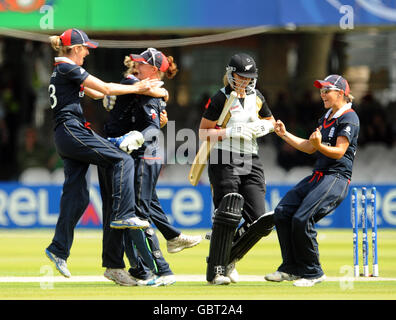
x=24 y=206
x=158 y=15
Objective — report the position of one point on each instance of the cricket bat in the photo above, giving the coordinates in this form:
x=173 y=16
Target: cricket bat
x=202 y=156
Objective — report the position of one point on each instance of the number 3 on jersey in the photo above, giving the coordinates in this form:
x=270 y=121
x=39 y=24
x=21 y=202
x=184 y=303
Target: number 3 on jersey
x=51 y=90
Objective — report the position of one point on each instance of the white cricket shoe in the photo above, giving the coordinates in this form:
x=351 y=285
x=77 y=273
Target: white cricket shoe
x=309 y=282
x=157 y=281
x=232 y=273
x=130 y=223
x=60 y=264
x=279 y=276
x=167 y=280
x=120 y=276
x=220 y=280
x=182 y=242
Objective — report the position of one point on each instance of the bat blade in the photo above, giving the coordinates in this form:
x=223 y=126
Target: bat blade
x=202 y=156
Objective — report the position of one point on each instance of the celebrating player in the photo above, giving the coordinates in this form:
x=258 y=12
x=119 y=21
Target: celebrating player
x=335 y=143
x=235 y=170
x=146 y=115
x=79 y=146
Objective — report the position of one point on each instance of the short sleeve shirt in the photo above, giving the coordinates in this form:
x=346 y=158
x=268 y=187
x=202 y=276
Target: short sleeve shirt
x=347 y=125
x=216 y=103
x=66 y=91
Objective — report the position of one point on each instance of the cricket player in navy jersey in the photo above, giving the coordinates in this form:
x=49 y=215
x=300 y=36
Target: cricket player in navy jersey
x=335 y=143
x=143 y=114
x=79 y=146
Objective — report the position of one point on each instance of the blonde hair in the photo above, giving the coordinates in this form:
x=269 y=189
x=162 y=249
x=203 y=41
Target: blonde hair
x=131 y=68
x=349 y=98
x=172 y=70
x=56 y=44
x=170 y=73
x=225 y=80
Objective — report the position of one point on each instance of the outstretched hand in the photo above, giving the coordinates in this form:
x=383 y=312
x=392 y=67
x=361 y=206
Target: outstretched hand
x=280 y=128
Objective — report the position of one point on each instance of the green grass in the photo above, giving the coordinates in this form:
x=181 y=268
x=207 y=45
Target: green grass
x=22 y=254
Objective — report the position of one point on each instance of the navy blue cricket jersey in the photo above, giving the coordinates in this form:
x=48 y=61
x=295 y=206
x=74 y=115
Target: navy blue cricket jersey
x=137 y=112
x=66 y=90
x=344 y=123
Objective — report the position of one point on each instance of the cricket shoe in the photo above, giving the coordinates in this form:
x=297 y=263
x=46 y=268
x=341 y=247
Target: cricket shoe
x=167 y=280
x=158 y=281
x=60 y=264
x=220 y=280
x=181 y=242
x=279 y=276
x=150 y=282
x=303 y=282
x=130 y=223
x=232 y=273
x=120 y=276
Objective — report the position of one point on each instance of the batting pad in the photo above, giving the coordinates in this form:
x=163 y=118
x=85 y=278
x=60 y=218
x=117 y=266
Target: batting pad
x=226 y=220
x=260 y=228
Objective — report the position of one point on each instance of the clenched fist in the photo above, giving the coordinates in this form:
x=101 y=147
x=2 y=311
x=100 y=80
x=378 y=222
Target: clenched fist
x=316 y=138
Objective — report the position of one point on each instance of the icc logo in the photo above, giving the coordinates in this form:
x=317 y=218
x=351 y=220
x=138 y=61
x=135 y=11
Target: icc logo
x=25 y=6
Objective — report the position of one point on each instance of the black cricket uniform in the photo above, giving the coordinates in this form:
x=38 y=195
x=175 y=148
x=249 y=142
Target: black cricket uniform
x=141 y=113
x=236 y=167
x=79 y=146
x=316 y=196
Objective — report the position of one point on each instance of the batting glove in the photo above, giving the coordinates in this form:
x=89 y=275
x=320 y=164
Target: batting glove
x=261 y=127
x=109 y=102
x=239 y=131
x=128 y=142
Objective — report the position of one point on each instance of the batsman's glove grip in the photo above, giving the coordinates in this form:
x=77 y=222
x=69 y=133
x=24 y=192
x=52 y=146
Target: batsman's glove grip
x=128 y=142
x=239 y=131
x=261 y=127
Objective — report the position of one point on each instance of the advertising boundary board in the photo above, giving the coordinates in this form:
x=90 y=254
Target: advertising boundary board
x=37 y=206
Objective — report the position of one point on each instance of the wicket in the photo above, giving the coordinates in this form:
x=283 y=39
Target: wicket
x=366 y=203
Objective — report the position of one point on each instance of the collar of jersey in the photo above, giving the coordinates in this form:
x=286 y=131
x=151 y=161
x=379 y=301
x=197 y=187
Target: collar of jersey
x=339 y=112
x=64 y=59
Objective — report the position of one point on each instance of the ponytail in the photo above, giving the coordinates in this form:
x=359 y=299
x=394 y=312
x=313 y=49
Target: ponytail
x=130 y=64
x=56 y=44
x=349 y=98
x=172 y=70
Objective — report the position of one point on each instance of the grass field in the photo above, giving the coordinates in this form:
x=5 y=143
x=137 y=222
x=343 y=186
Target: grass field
x=22 y=255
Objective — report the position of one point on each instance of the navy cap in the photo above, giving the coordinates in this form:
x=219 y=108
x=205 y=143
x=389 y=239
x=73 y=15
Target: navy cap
x=72 y=37
x=333 y=81
x=152 y=56
x=243 y=65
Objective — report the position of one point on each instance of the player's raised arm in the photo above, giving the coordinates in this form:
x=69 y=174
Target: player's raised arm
x=300 y=144
x=110 y=88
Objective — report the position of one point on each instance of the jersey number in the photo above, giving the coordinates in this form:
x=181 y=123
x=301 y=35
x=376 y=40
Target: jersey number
x=51 y=90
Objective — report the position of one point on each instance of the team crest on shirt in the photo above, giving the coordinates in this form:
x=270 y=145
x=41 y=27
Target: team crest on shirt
x=81 y=93
x=153 y=114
